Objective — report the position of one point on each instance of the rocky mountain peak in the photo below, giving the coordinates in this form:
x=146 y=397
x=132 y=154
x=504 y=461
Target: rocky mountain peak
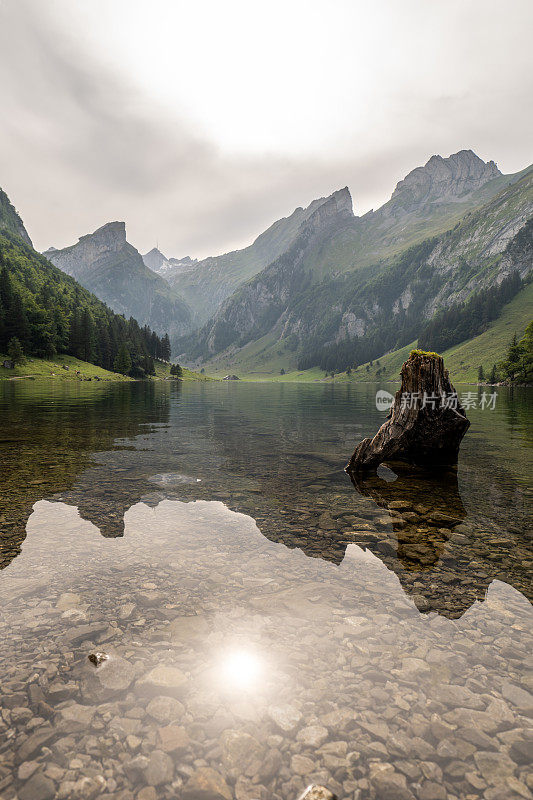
x=159 y=263
x=90 y=249
x=338 y=204
x=111 y=236
x=444 y=180
x=154 y=259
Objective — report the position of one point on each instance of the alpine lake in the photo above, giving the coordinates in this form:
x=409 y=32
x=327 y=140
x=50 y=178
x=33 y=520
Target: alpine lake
x=267 y=623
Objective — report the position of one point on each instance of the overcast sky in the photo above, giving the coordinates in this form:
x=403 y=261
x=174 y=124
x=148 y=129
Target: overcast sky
x=200 y=123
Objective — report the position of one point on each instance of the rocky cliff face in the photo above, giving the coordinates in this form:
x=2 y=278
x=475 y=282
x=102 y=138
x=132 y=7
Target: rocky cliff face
x=91 y=251
x=444 y=179
x=256 y=306
x=106 y=264
x=298 y=306
x=10 y=220
x=207 y=284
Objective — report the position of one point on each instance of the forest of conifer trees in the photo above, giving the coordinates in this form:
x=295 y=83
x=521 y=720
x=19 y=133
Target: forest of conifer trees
x=45 y=312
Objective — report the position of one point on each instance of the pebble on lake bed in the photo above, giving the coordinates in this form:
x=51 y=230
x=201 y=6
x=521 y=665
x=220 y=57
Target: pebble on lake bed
x=315 y=792
x=97 y=658
x=392 y=704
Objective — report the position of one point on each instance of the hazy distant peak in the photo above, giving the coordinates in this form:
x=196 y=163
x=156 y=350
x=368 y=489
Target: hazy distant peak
x=444 y=179
x=154 y=259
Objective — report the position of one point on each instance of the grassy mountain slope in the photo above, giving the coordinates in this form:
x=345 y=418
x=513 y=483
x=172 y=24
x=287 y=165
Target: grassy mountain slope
x=381 y=235
x=283 y=319
x=209 y=282
x=361 y=243
x=464 y=359
x=491 y=346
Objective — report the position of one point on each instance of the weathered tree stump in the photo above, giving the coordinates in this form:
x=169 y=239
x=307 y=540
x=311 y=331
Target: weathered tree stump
x=426 y=422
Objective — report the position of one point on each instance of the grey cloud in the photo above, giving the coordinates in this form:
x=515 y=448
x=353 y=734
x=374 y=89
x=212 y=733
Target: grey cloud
x=79 y=147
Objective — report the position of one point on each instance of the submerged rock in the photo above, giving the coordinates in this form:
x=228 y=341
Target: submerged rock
x=97 y=658
x=315 y=792
x=39 y=787
x=206 y=784
x=162 y=680
x=112 y=678
x=160 y=768
x=426 y=422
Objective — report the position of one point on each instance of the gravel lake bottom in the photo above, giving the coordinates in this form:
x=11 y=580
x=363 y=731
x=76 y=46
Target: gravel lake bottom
x=265 y=623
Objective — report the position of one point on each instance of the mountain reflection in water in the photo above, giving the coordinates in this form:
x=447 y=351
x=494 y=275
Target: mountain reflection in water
x=274 y=453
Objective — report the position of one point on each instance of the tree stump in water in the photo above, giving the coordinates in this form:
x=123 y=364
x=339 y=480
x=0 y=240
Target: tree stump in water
x=426 y=422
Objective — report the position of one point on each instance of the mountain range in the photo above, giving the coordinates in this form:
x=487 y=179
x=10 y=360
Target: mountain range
x=323 y=286
x=206 y=284
x=106 y=264
x=361 y=286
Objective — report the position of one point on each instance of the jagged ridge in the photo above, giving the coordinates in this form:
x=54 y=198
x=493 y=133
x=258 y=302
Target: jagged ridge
x=106 y=264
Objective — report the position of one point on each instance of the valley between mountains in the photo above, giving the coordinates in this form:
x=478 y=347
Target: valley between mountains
x=324 y=290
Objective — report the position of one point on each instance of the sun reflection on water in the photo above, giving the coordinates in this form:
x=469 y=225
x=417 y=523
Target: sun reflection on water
x=241 y=669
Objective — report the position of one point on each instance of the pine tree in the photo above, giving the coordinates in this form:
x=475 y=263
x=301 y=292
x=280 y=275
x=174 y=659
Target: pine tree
x=165 y=348
x=88 y=336
x=15 y=351
x=122 y=361
x=149 y=366
x=480 y=374
x=154 y=345
x=16 y=321
x=6 y=288
x=526 y=364
x=75 y=345
x=493 y=376
x=511 y=364
x=106 y=353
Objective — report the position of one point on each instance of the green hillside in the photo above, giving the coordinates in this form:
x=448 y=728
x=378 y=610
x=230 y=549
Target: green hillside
x=67 y=368
x=45 y=313
x=464 y=359
x=491 y=346
x=61 y=368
